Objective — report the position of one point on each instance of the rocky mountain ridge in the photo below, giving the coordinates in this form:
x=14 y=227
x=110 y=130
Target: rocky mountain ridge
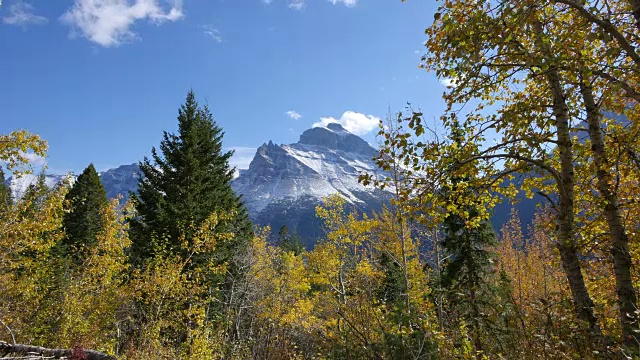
x=284 y=183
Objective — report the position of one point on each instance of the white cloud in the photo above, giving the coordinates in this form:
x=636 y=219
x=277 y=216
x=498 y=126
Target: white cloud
x=296 y=4
x=448 y=82
x=214 y=33
x=108 y=22
x=347 y=3
x=35 y=161
x=355 y=122
x=293 y=114
x=242 y=156
x=21 y=14
x=301 y=4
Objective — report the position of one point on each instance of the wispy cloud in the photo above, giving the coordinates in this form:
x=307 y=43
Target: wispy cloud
x=301 y=4
x=347 y=3
x=355 y=122
x=36 y=162
x=293 y=114
x=296 y=4
x=21 y=14
x=108 y=22
x=213 y=32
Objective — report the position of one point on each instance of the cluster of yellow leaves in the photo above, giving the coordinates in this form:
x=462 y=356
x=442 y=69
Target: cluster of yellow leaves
x=28 y=232
x=283 y=283
x=176 y=296
x=88 y=296
x=15 y=146
x=329 y=301
x=540 y=291
x=47 y=299
x=530 y=262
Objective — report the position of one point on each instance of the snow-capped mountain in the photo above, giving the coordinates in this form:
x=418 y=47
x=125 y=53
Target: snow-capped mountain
x=118 y=181
x=121 y=181
x=284 y=183
x=19 y=185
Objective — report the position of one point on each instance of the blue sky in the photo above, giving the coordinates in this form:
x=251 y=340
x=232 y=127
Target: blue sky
x=101 y=79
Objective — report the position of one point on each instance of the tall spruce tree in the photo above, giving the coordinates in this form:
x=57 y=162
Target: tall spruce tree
x=467 y=276
x=83 y=220
x=183 y=185
x=5 y=192
x=470 y=257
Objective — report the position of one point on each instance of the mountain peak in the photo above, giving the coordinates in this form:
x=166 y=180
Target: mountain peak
x=285 y=183
x=335 y=127
x=335 y=137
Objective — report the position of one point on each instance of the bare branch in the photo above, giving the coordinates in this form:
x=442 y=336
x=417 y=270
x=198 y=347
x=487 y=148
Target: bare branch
x=13 y=338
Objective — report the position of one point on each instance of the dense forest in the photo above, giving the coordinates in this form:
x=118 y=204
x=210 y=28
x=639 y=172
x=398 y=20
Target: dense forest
x=542 y=100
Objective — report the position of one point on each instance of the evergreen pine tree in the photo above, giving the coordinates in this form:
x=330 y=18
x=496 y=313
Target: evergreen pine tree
x=84 y=220
x=470 y=257
x=183 y=185
x=5 y=192
x=467 y=276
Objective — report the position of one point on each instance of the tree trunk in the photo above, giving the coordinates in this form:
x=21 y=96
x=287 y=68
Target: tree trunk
x=26 y=351
x=617 y=232
x=565 y=219
x=566 y=212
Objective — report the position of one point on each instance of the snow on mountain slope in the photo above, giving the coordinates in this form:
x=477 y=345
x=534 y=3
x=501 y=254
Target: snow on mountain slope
x=284 y=183
x=19 y=185
x=118 y=181
x=325 y=161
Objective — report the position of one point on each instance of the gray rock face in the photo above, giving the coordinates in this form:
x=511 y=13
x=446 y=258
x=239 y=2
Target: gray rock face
x=118 y=181
x=121 y=181
x=334 y=136
x=285 y=183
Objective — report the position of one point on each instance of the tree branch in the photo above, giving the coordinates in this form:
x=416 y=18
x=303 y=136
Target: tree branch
x=605 y=25
x=534 y=162
x=13 y=338
x=629 y=90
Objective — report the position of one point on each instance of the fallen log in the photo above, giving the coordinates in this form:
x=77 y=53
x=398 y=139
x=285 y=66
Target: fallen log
x=12 y=351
